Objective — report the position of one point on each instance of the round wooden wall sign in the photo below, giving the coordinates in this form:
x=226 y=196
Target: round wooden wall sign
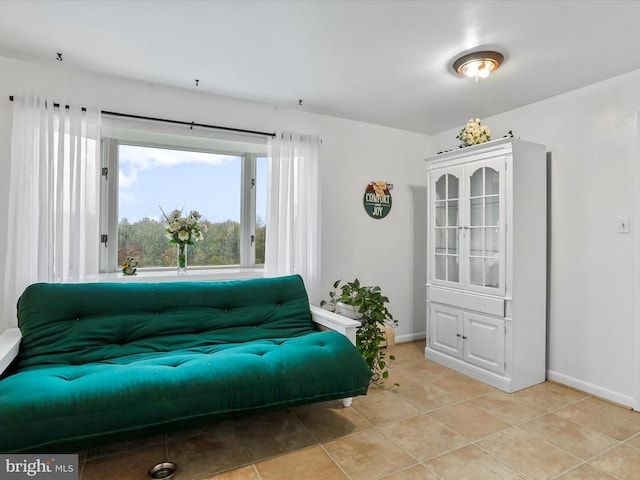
x=377 y=199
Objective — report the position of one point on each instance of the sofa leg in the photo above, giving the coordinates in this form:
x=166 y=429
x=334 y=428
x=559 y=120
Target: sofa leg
x=347 y=402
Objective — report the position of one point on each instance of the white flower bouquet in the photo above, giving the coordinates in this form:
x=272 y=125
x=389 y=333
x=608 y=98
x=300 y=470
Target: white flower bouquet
x=474 y=133
x=183 y=230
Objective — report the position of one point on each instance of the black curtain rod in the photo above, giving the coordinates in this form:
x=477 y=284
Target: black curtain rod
x=190 y=124
x=176 y=122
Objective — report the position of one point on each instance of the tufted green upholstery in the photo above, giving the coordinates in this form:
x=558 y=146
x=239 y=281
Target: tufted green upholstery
x=108 y=361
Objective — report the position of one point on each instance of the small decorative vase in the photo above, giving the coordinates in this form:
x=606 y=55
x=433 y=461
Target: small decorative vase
x=182 y=258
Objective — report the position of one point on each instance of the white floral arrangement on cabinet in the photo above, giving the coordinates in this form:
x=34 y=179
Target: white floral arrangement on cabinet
x=474 y=133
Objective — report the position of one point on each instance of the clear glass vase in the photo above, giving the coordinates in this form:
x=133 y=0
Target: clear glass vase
x=182 y=258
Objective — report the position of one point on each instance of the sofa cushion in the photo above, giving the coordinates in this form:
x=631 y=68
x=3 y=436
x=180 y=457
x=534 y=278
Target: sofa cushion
x=66 y=407
x=108 y=361
x=82 y=323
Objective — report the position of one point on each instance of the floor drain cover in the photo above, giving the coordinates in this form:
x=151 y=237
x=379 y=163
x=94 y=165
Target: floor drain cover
x=163 y=470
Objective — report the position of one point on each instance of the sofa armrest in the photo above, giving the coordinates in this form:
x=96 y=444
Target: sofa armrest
x=333 y=321
x=9 y=347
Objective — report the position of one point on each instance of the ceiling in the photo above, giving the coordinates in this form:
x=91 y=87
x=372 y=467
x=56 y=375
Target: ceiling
x=382 y=62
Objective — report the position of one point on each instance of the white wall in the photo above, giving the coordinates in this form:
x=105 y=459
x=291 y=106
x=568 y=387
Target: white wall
x=387 y=252
x=591 y=135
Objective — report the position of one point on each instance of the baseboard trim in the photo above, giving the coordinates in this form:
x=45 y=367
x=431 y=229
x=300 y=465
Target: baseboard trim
x=596 y=390
x=411 y=337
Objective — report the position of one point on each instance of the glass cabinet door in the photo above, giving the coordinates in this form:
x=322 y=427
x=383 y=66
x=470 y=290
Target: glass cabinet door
x=485 y=231
x=467 y=226
x=446 y=248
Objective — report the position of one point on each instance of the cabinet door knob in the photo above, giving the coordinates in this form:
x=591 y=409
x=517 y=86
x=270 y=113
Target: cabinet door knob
x=458 y=335
x=464 y=338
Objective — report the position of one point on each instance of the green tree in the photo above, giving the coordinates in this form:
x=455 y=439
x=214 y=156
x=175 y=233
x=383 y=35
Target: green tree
x=221 y=245
x=261 y=236
x=146 y=241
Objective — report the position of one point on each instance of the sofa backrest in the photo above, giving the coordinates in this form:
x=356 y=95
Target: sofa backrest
x=81 y=323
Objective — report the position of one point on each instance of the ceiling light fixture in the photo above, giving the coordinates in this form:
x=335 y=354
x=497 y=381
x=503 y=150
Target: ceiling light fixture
x=478 y=64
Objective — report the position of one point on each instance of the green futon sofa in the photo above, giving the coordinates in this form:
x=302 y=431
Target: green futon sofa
x=104 y=362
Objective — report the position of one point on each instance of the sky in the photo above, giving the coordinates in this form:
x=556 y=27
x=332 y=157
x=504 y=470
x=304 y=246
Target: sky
x=151 y=179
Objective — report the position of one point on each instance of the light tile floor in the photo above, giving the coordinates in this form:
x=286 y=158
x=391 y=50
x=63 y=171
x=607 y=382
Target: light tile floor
x=437 y=424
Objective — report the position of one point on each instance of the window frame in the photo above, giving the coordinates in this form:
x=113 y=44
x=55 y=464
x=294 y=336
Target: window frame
x=109 y=190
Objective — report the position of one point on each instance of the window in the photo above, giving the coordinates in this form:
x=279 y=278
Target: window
x=147 y=174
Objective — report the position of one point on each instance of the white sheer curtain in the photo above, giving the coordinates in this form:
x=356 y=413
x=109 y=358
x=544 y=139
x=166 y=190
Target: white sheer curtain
x=293 y=210
x=53 y=218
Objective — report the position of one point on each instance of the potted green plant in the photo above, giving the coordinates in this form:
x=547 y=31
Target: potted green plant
x=368 y=305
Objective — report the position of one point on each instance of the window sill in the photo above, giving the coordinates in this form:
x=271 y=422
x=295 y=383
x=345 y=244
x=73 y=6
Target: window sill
x=194 y=275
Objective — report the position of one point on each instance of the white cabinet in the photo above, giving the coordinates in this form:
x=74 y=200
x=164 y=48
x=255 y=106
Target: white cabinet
x=484 y=341
x=445 y=330
x=469 y=336
x=486 y=287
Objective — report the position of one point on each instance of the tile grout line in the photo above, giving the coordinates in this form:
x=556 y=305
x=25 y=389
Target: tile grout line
x=426 y=412
x=321 y=445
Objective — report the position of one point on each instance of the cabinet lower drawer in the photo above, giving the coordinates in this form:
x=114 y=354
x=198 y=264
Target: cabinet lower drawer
x=478 y=303
x=468 y=301
x=447 y=297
